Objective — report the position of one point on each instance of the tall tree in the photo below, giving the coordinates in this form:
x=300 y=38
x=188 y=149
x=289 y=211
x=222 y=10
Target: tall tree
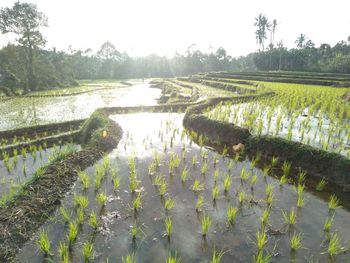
x=262 y=23
x=110 y=55
x=280 y=47
x=108 y=51
x=24 y=20
x=301 y=40
x=273 y=28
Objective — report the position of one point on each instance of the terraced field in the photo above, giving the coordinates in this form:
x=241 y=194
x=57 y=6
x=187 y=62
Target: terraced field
x=217 y=167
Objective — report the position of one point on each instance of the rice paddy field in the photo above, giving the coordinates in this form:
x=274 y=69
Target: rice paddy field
x=164 y=193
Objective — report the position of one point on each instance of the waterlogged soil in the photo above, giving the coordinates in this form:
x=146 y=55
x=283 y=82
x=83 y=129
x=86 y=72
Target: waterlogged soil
x=143 y=135
x=22 y=112
x=23 y=169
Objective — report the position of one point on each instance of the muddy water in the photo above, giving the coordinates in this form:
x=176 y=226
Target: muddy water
x=21 y=112
x=143 y=134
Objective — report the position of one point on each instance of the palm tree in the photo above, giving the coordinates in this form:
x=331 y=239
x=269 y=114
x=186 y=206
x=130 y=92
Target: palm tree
x=273 y=31
x=280 y=47
x=300 y=42
x=263 y=24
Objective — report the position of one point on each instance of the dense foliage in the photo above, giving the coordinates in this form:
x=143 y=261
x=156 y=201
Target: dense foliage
x=57 y=68
x=304 y=57
x=307 y=58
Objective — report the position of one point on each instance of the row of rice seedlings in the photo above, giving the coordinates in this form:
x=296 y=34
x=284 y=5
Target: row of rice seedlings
x=300 y=196
x=321 y=185
x=169 y=204
x=231 y=214
x=130 y=258
x=197 y=186
x=205 y=224
x=184 y=174
x=33 y=150
x=168 y=226
x=44 y=243
x=247 y=114
x=291 y=218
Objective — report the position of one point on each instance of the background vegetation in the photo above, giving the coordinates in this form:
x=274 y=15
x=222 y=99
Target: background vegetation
x=26 y=64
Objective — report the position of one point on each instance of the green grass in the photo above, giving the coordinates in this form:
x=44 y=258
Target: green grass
x=87 y=251
x=244 y=176
x=80 y=216
x=197 y=186
x=44 y=242
x=261 y=258
x=81 y=201
x=289 y=219
x=173 y=259
x=333 y=202
x=168 y=226
x=84 y=179
x=137 y=202
x=261 y=240
x=101 y=199
x=184 y=174
x=295 y=241
x=65 y=214
x=206 y=223
x=130 y=258
x=169 y=204
x=116 y=183
x=231 y=214
x=269 y=190
x=334 y=246
x=93 y=220
x=227 y=182
x=134 y=184
x=241 y=197
x=216 y=258
x=194 y=159
x=199 y=202
x=204 y=168
x=264 y=218
x=63 y=252
x=253 y=180
x=215 y=192
x=321 y=185
x=72 y=234
x=163 y=187
x=134 y=231
x=328 y=224
x=300 y=196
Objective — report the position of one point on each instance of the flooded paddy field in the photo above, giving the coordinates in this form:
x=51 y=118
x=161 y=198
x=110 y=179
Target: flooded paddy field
x=23 y=112
x=18 y=170
x=159 y=193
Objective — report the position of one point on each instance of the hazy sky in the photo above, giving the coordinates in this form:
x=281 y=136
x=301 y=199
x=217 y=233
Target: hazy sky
x=141 y=27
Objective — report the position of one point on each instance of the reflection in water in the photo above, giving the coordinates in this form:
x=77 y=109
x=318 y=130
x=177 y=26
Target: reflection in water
x=145 y=133
x=21 y=112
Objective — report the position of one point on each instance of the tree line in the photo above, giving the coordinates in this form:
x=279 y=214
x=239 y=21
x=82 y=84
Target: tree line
x=305 y=56
x=27 y=65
